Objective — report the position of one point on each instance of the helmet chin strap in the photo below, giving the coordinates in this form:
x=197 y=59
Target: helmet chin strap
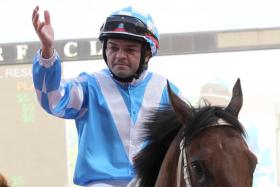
x=142 y=66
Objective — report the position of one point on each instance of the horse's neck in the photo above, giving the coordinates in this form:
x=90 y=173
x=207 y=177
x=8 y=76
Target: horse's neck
x=168 y=172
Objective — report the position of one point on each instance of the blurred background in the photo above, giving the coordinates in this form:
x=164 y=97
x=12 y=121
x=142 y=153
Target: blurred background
x=204 y=47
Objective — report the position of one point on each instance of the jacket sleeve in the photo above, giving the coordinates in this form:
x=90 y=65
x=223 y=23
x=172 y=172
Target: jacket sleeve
x=62 y=98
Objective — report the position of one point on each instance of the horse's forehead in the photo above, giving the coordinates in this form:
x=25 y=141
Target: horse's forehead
x=217 y=140
x=216 y=143
x=220 y=151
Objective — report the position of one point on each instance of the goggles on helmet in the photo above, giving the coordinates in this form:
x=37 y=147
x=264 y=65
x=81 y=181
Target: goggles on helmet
x=125 y=24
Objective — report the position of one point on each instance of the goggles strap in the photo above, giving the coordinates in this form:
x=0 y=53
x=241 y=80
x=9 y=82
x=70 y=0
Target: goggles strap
x=142 y=65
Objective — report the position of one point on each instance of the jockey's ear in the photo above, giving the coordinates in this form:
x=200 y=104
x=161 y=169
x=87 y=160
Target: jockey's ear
x=181 y=108
x=236 y=101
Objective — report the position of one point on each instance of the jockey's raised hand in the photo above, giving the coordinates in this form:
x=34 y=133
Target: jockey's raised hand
x=45 y=32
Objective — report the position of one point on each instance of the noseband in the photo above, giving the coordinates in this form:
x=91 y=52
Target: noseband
x=184 y=162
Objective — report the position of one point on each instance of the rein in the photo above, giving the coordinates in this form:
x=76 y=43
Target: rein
x=183 y=157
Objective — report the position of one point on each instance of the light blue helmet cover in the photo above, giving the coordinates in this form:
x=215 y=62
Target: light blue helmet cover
x=151 y=39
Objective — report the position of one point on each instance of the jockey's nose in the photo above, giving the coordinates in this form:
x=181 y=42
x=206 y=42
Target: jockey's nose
x=121 y=53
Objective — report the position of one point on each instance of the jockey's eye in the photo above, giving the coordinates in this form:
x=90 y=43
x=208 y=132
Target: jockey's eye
x=199 y=171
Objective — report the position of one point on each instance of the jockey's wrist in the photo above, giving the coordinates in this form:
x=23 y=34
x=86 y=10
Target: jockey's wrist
x=47 y=52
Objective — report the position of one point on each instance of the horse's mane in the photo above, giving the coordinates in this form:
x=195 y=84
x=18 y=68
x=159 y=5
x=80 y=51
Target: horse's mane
x=161 y=128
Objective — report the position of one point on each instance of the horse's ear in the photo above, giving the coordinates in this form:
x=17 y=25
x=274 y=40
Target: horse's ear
x=181 y=108
x=236 y=100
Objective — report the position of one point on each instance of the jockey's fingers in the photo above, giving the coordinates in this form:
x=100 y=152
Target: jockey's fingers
x=36 y=22
x=35 y=17
x=47 y=17
x=35 y=11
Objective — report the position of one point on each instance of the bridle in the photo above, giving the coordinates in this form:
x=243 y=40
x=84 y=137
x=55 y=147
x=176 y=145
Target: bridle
x=184 y=163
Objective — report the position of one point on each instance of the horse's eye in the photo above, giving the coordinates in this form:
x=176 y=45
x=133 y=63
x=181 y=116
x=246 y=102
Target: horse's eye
x=198 y=169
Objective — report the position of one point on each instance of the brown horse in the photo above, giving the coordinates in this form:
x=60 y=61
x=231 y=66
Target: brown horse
x=196 y=147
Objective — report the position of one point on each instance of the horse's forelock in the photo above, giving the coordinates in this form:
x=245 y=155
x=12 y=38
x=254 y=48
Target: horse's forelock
x=205 y=116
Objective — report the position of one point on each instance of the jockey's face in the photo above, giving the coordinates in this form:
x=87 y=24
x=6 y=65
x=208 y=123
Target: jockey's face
x=123 y=57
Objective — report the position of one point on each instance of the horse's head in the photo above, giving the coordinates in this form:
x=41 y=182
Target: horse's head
x=213 y=144
x=196 y=147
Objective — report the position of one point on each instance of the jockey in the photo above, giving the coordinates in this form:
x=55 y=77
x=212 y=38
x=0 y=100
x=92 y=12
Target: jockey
x=109 y=107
